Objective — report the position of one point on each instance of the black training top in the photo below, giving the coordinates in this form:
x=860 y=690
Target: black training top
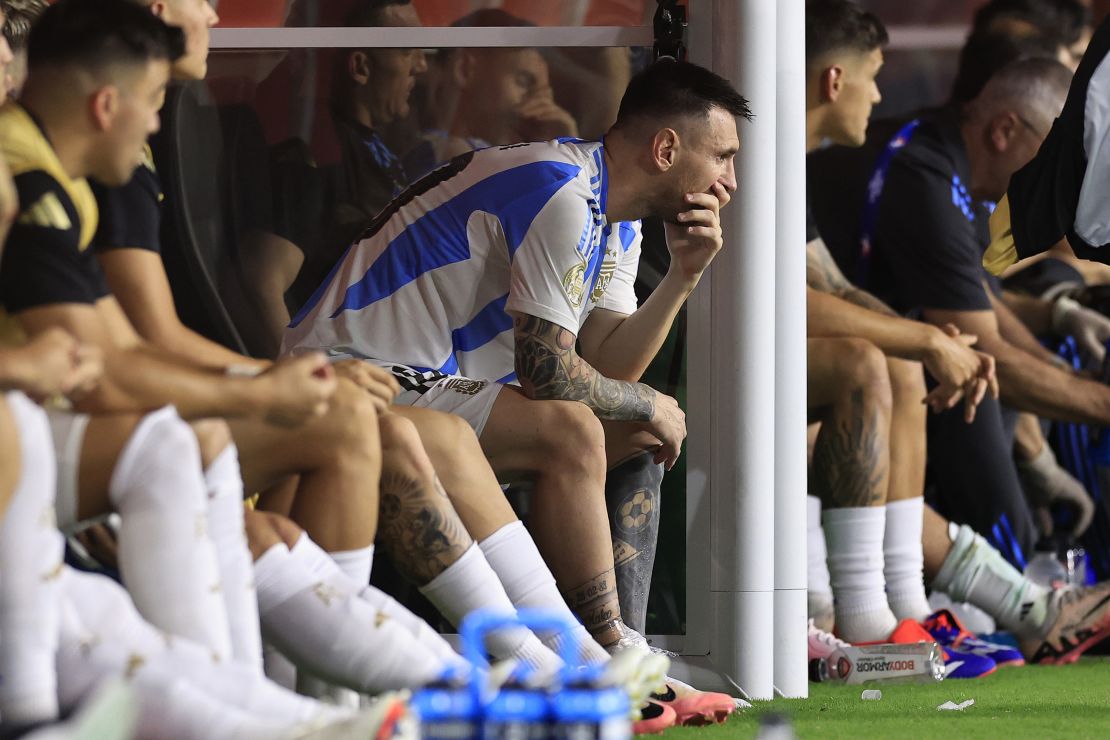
x=131 y=215
x=928 y=235
x=46 y=258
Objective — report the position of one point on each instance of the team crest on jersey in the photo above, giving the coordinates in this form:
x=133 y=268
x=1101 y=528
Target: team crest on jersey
x=465 y=386
x=605 y=276
x=574 y=284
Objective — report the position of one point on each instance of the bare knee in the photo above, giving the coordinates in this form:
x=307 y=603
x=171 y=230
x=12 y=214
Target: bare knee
x=907 y=382
x=352 y=423
x=571 y=438
x=402 y=449
x=213 y=436
x=865 y=371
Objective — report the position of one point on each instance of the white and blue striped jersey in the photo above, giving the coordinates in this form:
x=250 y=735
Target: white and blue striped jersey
x=516 y=228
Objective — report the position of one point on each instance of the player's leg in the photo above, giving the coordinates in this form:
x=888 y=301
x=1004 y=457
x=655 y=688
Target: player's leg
x=1052 y=625
x=31 y=551
x=849 y=386
x=224 y=486
x=338 y=459
x=102 y=636
x=429 y=544
x=148 y=469
x=561 y=445
x=905 y=585
x=633 y=482
x=973 y=473
x=457 y=457
x=818 y=588
x=316 y=616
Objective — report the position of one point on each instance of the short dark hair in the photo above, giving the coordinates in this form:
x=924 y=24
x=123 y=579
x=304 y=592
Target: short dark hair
x=833 y=25
x=20 y=16
x=101 y=33
x=368 y=13
x=669 y=88
x=985 y=52
x=491 y=18
x=1062 y=19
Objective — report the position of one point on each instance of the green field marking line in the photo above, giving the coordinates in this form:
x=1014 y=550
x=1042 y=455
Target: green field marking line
x=1028 y=702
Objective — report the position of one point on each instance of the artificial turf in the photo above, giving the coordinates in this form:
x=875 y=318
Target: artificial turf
x=1028 y=702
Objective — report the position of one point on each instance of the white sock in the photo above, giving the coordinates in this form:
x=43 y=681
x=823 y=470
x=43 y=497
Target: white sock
x=31 y=550
x=308 y=550
x=855 y=542
x=278 y=668
x=512 y=554
x=355 y=564
x=974 y=571
x=313 y=613
x=820 y=594
x=469 y=584
x=107 y=637
x=226 y=529
x=904 y=560
x=166 y=557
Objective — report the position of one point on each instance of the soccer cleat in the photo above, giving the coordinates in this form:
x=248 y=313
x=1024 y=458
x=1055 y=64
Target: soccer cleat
x=956 y=664
x=949 y=632
x=693 y=707
x=822 y=643
x=1078 y=617
x=653 y=719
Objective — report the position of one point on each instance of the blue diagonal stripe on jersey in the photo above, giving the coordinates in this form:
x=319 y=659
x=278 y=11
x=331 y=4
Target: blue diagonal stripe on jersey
x=486 y=324
x=507 y=379
x=438 y=238
x=627 y=233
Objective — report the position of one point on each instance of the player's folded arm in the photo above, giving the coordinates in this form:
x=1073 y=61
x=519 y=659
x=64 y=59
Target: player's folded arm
x=549 y=367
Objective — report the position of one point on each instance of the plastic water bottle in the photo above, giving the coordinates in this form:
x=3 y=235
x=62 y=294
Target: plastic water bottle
x=920 y=662
x=518 y=712
x=1045 y=568
x=584 y=711
x=447 y=711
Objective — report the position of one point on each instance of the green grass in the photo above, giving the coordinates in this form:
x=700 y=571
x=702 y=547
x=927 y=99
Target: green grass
x=1029 y=702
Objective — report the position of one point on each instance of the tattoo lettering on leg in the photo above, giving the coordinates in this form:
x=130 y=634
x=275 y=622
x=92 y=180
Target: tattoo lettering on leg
x=419 y=530
x=848 y=464
x=595 y=602
x=548 y=367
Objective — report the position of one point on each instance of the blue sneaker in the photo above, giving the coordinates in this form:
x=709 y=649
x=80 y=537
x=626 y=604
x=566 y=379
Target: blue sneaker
x=956 y=664
x=950 y=634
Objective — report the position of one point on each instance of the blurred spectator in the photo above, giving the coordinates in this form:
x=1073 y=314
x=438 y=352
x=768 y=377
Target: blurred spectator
x=324 y=194
x=487 y=96
x=987 y=51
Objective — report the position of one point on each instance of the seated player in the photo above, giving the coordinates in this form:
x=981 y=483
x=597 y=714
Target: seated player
x=420 y=530
x=502 y=286
x=165 y=503
x=1066 y=21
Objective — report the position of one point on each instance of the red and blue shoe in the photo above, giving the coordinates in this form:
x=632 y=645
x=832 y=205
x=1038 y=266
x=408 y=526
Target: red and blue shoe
x=957 y=664
x=947 y=630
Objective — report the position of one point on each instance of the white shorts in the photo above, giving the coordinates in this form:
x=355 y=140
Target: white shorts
x=68 y=430
x=453 y=394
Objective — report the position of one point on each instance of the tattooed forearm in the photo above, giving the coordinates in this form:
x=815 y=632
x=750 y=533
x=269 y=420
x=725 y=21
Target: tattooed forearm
x=419 y=530
x=548 y=367
x=595 y=602
x=822 y=272
x=850 y=464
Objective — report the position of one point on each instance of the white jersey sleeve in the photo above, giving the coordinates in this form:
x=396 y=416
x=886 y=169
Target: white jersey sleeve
x=549 y=268
x=620 y=295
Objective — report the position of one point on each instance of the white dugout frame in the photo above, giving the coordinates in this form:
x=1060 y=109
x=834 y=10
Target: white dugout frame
x=745 y=548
